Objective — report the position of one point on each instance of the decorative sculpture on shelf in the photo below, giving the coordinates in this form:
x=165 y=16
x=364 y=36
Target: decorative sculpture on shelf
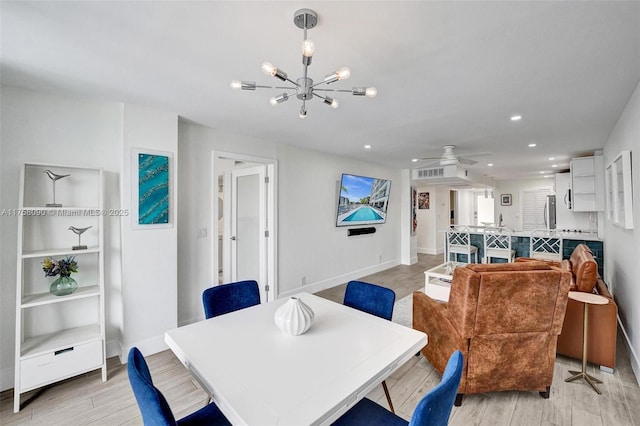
x=54 y=177
x=79 y=231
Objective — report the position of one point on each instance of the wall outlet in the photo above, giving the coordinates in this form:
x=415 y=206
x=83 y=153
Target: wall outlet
x=304 y=280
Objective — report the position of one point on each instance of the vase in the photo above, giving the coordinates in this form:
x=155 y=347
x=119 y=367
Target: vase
x=294 y=317
x=63 y=286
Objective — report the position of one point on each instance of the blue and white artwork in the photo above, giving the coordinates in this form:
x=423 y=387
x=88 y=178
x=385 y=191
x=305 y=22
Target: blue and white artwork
x=153 y=189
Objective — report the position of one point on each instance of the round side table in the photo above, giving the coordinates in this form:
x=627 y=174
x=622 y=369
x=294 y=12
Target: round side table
x=586 y=299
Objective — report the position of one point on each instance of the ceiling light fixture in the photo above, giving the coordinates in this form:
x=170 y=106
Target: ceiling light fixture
x=516 y=117
x=304 y=88
x=531 y=145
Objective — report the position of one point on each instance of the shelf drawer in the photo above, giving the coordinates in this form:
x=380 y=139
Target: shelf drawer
x=53 y=366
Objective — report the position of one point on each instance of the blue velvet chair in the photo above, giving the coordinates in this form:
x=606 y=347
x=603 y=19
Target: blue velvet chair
x=370 y=298
x=154 y=407
x=375 y=300
x=226 y=298
x=433 y=409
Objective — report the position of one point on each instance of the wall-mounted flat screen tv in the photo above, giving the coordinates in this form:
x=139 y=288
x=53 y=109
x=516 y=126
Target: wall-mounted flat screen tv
x=362 y=200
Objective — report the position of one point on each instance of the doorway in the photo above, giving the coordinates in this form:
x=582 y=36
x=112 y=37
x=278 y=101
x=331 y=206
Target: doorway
x=246 y=216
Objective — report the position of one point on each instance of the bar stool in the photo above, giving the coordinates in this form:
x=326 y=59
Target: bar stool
x=459 y=242
x=546 y=244
x=497 y=244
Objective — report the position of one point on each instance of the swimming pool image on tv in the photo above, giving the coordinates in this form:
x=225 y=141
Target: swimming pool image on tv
x=363 y=213
x=362 y=200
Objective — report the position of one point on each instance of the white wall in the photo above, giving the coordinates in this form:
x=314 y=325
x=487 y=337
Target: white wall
x=512 y=215
x=44 y=128
x=622 y=246
x=309 y=244
x=141 y=284
x=149 y=256
x=433 y=220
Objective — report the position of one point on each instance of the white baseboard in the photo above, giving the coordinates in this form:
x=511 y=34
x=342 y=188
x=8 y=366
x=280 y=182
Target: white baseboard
x=148 y=347
x=341 y=279
x=430 y=250
x=633 y=356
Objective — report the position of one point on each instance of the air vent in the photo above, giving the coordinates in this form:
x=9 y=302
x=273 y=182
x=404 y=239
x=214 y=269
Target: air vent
x=429 y=173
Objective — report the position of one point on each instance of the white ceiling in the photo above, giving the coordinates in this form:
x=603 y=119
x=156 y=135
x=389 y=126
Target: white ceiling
x=446 y=72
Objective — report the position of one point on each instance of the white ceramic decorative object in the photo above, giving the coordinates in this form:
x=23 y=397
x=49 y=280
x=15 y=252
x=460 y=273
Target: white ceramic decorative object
x=294 y=317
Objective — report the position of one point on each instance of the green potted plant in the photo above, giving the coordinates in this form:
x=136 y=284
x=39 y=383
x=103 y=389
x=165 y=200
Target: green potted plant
x=64 y=284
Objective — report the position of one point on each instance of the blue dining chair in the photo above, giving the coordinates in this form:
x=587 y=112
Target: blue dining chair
x=225 y=298
x=375 y=300
x=433 y=409
x=370 y=298
x=153 y=405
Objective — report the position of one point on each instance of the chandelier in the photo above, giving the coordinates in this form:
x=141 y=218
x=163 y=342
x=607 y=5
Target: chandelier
x=304 y=88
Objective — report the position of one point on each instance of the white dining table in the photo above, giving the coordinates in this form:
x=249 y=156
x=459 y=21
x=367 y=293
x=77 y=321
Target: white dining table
x=259 y=375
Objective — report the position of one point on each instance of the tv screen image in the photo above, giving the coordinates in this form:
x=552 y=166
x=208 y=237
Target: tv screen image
x=362 y=200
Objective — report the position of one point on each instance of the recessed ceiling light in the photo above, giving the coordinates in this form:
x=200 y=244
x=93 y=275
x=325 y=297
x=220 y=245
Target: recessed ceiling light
x=367 y=147
x=531 y=145
x=552 y=158
x=415 y=160
x=554 y=165
x=548 y=176
x=516 y=117
x=490 y=164
x=543 y=172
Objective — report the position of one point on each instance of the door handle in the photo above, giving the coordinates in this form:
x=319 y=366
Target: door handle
x=233 y=238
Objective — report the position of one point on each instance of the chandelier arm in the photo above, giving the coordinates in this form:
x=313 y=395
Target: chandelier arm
x=258 y=86
x=291 y=81
x=334 y=90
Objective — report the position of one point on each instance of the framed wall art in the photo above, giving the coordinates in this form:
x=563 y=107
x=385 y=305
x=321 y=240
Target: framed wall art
x=619 y=191
x=151 y=189
x=423 y=200
x=505 y=199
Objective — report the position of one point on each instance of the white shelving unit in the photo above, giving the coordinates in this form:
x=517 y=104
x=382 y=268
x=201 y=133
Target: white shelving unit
x=587 y=184
x=58 y=337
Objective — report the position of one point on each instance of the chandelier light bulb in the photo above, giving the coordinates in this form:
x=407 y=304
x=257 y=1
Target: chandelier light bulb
x=308 y=48
x=235 y=84
x=278 y=99
x=343 y=73
x=302 y=114
x=371 y=92
x=269 y=69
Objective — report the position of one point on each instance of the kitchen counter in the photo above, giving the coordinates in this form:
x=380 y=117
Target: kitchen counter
x=585 y=236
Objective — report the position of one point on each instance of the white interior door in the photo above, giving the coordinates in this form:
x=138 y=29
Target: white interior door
x=248 y=226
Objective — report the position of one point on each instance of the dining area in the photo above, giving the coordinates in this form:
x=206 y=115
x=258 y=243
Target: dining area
x=299 y=360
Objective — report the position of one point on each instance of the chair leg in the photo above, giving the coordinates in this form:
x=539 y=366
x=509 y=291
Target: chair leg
x=386 y=392
x=458 y=401
x=545 y=394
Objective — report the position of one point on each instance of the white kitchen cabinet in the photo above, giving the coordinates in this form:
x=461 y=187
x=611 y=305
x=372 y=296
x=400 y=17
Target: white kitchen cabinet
x=58 y=337
x=587 y=184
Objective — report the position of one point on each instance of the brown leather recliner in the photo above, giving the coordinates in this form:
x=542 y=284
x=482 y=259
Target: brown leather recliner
x=505 y=318
x=602 y=328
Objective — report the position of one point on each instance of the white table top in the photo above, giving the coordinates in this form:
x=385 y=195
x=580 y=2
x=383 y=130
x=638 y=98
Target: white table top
x=590 y=298
x=258 y=375
x=442 y=270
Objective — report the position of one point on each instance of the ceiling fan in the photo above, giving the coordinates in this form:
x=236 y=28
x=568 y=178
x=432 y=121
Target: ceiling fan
x=451 y=158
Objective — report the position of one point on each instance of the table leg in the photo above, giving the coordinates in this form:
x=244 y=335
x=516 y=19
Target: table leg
x=583 y=374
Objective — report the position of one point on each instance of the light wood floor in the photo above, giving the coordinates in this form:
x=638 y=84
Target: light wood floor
x=86 y=400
